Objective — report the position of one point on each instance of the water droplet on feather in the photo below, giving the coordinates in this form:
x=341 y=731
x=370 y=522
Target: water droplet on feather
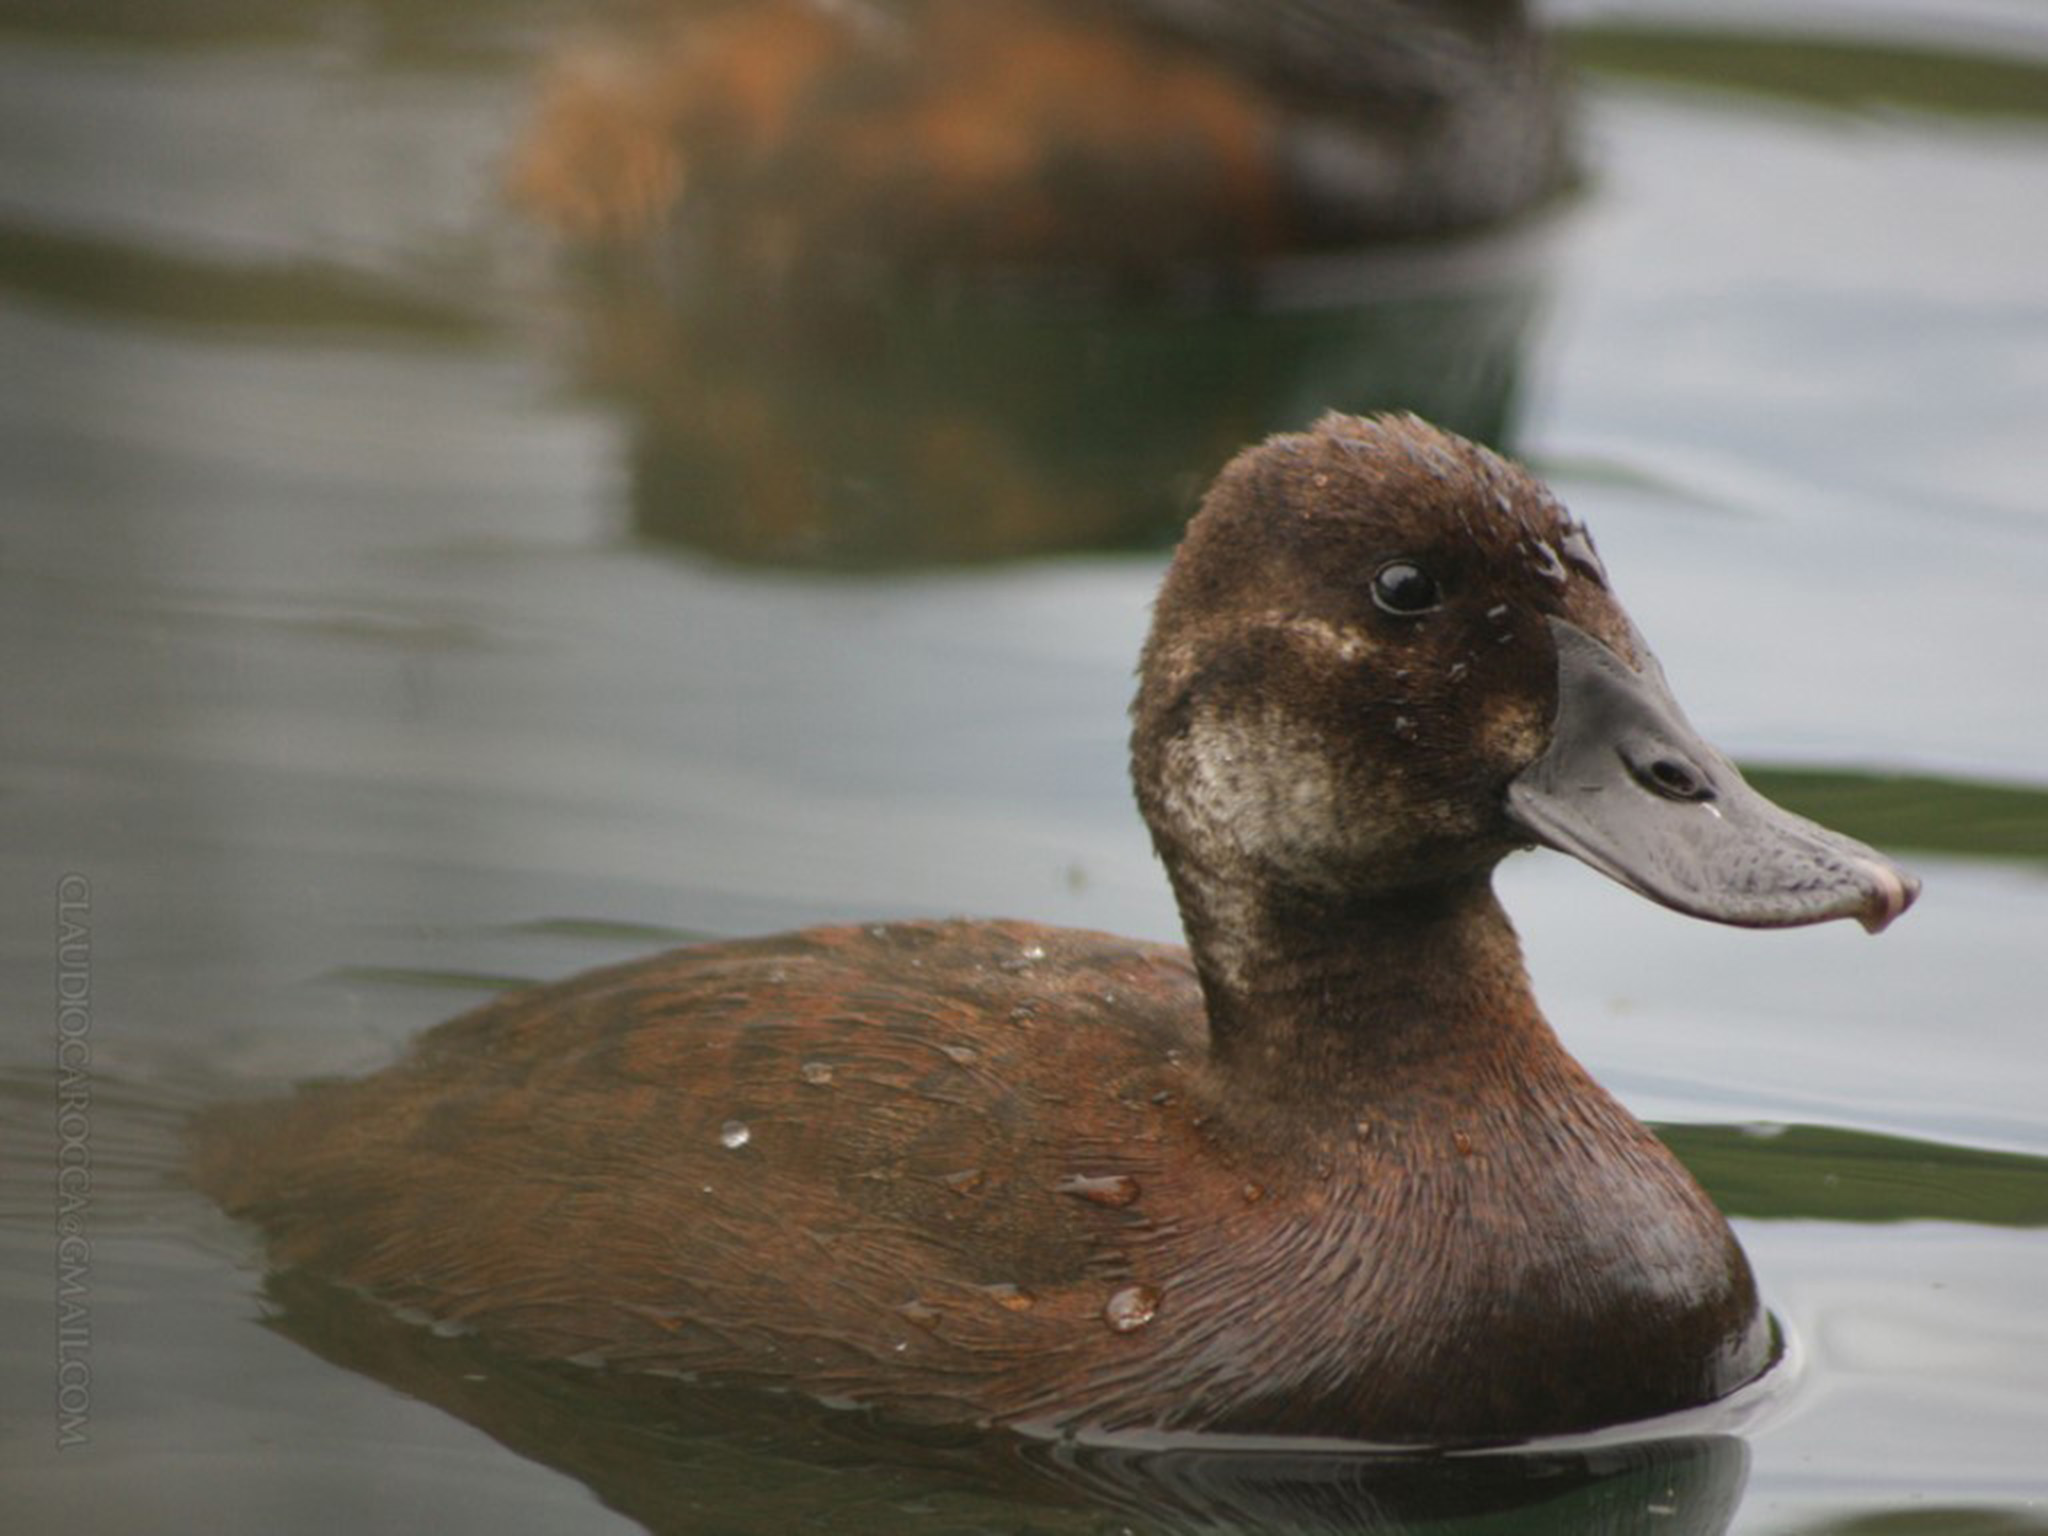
x=1024 y=959
x=1115 y=1190
x=1131 y=1308
x=1012 y=1298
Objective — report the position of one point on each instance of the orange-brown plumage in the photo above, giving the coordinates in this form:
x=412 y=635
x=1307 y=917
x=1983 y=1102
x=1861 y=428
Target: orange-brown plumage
x=898 y=1226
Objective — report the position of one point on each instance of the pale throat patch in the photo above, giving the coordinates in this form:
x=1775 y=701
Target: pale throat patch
x=1261 y=784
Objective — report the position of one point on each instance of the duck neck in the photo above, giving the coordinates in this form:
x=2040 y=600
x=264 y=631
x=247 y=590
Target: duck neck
x=1341 y=1000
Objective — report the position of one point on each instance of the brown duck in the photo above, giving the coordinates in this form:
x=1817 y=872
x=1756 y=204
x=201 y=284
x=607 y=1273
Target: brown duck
x=1326 y=1171
x=800 y=136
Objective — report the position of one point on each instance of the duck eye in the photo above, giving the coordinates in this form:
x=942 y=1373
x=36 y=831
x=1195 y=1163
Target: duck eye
x=1404 y=588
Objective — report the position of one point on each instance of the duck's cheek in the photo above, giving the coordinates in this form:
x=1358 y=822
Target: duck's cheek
x=1266 y=792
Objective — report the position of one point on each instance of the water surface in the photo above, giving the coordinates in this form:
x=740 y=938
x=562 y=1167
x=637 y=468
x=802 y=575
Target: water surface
x=351 y=672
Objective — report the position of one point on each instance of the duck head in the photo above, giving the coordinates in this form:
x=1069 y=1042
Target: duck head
x=1384 y=658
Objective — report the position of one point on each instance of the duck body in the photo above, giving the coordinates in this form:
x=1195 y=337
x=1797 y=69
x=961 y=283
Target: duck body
x=1328 y=1171
x=823 y=1158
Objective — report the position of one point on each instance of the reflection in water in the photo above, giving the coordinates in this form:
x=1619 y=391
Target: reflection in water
x=856 y=432
x=1829 y=1173
x=117 y=279
x=675 y=1456
x=1977 y=818
x=1957 y=1519
x=1840 y=72
x=1686 y=1486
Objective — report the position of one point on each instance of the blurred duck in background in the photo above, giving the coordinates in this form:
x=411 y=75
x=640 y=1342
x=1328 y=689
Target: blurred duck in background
x=807 y=136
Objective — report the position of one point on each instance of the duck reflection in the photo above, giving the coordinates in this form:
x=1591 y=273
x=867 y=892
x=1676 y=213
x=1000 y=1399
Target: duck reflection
x=935 y=281
x=684 y=1458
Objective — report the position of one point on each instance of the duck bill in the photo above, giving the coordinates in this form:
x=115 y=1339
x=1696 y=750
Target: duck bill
x=1629 y=787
